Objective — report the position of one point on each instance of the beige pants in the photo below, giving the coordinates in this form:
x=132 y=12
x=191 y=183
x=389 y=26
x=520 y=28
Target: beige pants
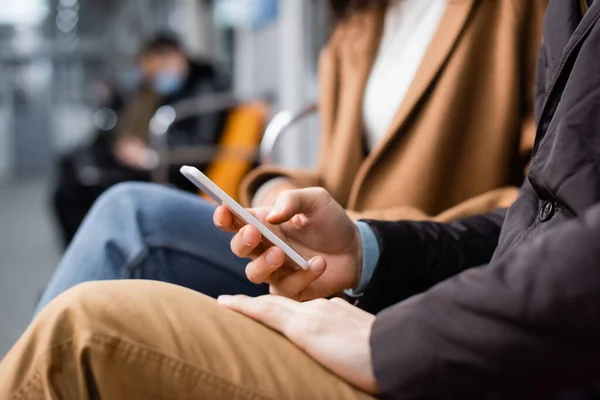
x=148 y=340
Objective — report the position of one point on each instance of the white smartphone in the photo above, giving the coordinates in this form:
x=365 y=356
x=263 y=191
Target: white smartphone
x=217 y=194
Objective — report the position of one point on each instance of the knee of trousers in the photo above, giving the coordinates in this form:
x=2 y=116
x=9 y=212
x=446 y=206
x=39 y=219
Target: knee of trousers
x=64 y=329
x=133 y=310
x=148 y=313
x=85 y=309
x=127 y=197
x=101 y=325
x=124 y=207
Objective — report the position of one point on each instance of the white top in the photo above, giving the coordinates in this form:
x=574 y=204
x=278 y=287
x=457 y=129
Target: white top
x=408 y=30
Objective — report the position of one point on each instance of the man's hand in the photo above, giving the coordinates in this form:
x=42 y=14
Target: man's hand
x=333 y=332
x=312 y=223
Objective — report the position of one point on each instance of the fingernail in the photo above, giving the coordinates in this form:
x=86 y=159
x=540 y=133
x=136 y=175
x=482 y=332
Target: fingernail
x=317 y=264
x=278 y=209
x=274 y=213
x=272 y=258
x=225 y=299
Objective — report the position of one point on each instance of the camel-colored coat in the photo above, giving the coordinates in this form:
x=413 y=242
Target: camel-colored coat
x=461 y=140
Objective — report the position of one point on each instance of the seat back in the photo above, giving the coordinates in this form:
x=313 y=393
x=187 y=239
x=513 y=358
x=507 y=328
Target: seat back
x=279 y=126
x=238 y=147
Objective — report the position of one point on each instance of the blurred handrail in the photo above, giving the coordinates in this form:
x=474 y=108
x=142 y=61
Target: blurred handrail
x=161 y=156
x=279 y=124
x=207 y=103
x=167 y=115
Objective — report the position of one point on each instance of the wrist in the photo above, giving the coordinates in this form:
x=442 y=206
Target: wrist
x=351 y=272
x=368 y=256
x=353 y=215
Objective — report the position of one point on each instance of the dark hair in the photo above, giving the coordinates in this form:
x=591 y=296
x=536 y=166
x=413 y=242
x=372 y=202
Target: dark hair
x=341 y=9
x=162 y=43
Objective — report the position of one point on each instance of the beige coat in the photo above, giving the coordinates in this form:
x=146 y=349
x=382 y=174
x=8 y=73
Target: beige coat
x=462 y=137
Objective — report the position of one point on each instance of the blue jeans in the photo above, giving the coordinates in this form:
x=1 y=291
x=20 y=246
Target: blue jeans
x=146 y=231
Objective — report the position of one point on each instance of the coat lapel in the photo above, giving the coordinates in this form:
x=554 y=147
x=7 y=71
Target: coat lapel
x=442 y=44
x=565 y=16
x=358 y=43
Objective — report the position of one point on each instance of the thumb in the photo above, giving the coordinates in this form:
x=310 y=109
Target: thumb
x=292 y=202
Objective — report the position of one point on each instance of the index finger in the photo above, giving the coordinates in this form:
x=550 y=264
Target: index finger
x=294 y=202
x=273 y=311
x=226 y=220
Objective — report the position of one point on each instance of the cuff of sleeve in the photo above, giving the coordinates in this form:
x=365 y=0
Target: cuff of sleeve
x=370 y=252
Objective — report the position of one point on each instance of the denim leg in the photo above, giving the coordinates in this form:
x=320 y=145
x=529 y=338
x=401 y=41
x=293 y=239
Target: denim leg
x=146 y=231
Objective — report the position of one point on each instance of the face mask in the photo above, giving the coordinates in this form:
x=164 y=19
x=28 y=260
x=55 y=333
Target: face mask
x=167 y=82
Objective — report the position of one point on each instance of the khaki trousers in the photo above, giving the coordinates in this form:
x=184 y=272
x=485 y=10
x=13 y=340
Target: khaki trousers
x=149 y=340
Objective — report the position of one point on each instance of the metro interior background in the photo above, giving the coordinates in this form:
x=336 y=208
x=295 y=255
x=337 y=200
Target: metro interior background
x=61 y=59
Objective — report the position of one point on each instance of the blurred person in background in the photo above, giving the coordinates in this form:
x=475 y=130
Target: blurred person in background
x=426 y=110
x=163 y=75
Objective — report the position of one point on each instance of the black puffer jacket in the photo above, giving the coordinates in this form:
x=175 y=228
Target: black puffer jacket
x=202 y=129
x=527 y=324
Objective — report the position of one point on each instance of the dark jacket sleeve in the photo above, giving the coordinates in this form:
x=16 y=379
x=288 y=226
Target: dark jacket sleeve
x=417 y=255
x=529 y=319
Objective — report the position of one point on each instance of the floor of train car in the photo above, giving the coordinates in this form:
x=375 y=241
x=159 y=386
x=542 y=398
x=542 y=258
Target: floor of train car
x=29 y=252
